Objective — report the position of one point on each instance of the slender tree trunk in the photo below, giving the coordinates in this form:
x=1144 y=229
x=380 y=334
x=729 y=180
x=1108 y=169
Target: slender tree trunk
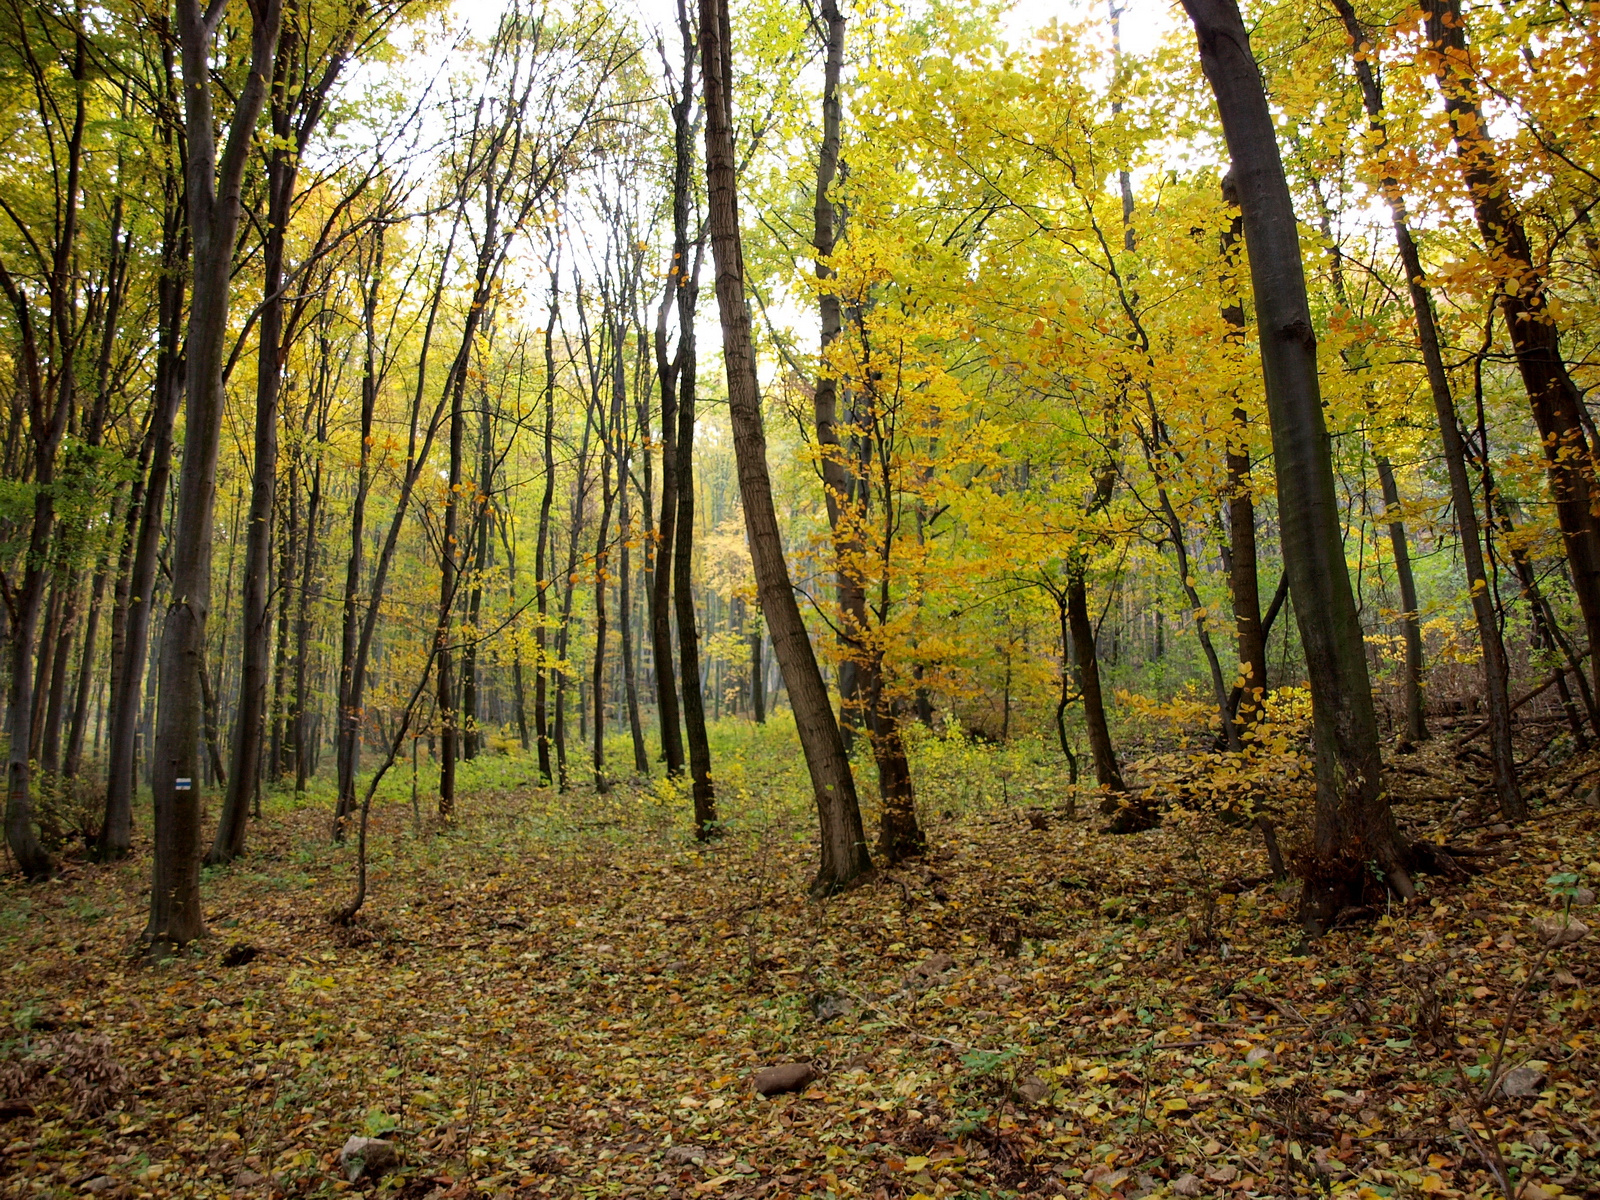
x=72 y=762
x=602 y=551
x=1243 y=579
x=1410 y=618
x=61 y=653
x=1496 y=669
x=127 y=679
x=508 y=543
x=283 y=583
x=758 y=672
x=1081 y=630
x=844 y=854
x=677 y=295
x=544 y=542
x=630 y=683
x=1535 y=337
x=1354 y=824
x=694 y=710
x=256 y=641
x=299 y=732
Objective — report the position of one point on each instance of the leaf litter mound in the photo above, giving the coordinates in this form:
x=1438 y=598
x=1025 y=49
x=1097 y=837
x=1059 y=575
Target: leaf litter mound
x=564 y=996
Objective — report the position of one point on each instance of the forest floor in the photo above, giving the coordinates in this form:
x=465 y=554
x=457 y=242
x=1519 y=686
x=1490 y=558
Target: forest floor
x=565 y=996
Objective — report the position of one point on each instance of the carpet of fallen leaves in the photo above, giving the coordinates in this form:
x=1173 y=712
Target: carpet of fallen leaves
x=565 y=996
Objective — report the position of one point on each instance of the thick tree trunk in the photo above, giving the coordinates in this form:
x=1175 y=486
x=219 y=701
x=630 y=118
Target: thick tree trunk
x=214 y=207
x=1354 y=824
x=844 y=854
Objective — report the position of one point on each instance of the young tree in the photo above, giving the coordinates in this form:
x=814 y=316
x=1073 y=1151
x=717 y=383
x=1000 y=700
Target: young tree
x=844 y=853
x=1354 y=824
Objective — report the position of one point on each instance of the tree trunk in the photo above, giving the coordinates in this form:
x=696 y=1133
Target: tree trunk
x=1496 y=669
x=844 y=854
x=249 y=726
x=1354 y=824
x=694 y=707
x=1410 y=620
x=213 y=187
x=1081 y=629
x=544 y=542
x=148 y=509
x=1535 y=338
x=1243 y=579
x=681 y=292
x=630 y=684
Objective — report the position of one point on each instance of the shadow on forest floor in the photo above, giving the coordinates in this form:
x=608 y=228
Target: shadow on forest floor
x=562 y=995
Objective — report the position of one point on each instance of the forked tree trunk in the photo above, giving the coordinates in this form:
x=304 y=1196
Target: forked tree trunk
x=1354 y=824
x=843 y=850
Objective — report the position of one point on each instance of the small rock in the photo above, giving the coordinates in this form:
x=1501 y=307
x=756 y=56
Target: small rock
x=1033 y=1089
x=676 y=1155
x=786 y=1077
x=1521 y=1082
x=367 y=1158
x=99 y=1183
x=1187 y=1185
x=1500 y=829
x=1564 y=930
x=1582 y=897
